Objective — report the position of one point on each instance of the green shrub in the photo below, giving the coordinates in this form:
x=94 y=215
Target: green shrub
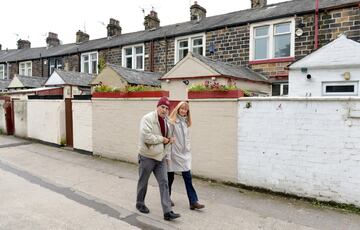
x=140 y=88
x=213 y=86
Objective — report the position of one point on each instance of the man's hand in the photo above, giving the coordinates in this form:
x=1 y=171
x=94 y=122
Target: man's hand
x=166 y=140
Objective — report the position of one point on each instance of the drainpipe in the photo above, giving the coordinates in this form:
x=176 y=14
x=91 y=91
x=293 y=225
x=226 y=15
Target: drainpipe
x=316 y=24
x=166 y=54
x=152 y=56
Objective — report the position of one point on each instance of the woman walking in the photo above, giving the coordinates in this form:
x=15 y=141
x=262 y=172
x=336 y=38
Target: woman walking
x=179 y=158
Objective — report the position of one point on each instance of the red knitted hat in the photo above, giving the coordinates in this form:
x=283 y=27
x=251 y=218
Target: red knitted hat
x=164 y=101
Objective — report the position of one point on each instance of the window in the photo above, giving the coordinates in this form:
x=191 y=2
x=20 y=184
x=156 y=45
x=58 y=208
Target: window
x=280 y=89
x=54 y=63
x=133 y=57
x=25 y=68
x=2 y=71
x=274 y=39
x=340 y=88
x=194 y=43
x=89 y=63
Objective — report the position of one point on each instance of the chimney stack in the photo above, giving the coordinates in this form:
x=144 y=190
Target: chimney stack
x=258 y=3
x=113 y=28
x=0 y=47
x=197 y=12
x=23 y=44
x=52 y=40
x=81 y=37
x=151 y=21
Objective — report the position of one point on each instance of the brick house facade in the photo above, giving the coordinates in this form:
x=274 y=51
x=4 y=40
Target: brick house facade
x=229 y=43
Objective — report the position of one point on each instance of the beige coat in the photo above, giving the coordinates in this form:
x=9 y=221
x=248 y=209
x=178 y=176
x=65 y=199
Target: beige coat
x=179 y=155
x=151 y=140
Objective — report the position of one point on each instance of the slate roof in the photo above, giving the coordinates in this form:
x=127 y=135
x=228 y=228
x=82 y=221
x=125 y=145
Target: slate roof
x=4 y=83
x=268 y=12
x=75 y=78
x=340 y=52
x=225 y=69
x=137 y=77
x=32 y=82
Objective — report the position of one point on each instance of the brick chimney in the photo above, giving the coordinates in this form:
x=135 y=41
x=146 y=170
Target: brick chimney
x=258 y=3
x=52 y=40
x=81 y=37
x=151 y=21
x=23 y=44
x=113 y=28
x=197 y=12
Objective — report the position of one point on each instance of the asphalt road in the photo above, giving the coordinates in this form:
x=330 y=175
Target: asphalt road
x=45 y=187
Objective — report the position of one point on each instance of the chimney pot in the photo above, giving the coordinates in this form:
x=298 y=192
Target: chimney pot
x=151 y=21
x=23 y=44
x=81 y=37
x=197 y=12
x=52 y=40
x=258 y=3
x=113 y=28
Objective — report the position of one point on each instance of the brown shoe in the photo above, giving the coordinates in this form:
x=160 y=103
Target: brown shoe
x=172 y=203
x=196 y=206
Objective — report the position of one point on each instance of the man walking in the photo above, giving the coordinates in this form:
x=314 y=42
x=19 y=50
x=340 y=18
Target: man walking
x=154 y=139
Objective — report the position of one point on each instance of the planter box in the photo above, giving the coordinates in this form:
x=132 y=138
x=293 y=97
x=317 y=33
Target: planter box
x=215 y=94
x=130 y=94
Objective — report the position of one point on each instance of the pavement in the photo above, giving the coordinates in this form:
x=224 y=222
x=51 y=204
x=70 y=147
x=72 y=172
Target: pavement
x=47 y=187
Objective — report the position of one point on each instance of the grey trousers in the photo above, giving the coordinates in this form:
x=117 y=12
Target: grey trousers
x=146 y=166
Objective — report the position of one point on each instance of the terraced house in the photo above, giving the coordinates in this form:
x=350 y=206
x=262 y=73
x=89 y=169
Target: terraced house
x=267 y=38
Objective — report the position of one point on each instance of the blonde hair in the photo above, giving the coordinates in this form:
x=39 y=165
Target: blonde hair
x=175 y=112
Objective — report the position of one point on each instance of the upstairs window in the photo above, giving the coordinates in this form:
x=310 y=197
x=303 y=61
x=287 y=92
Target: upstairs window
x=133 y=57
x=89 y=63
x=25 y=68
x=55 y=63
x=194 y=43
x=274 y=39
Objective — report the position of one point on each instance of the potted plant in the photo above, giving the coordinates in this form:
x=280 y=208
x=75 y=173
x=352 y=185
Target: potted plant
x=104 y=91
x=214 y=90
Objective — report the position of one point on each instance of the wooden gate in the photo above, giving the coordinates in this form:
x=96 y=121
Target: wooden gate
x=69 y=122
x=9 y=114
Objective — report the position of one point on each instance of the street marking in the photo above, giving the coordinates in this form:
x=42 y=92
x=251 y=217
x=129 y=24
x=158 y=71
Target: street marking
x=134 y=219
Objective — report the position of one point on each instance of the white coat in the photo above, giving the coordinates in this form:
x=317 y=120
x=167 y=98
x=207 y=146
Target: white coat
x=179 y=154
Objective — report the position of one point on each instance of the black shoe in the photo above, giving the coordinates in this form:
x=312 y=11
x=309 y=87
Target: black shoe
x=142 y=208
x=171 y=215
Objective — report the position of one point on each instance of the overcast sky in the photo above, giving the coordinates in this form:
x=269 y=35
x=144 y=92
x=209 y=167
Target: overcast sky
x=33 y=19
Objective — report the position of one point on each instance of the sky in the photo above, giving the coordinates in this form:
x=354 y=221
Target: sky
x=33 y=19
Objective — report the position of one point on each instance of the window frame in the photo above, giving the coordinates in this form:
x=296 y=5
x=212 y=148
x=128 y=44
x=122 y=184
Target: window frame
x=88 y=54
x=271 y=38
x=133 y=56
x=2 y=76
x=26 y=68
x=190 y=40
x=281 y=84
x=57 y=64
x=340 y=83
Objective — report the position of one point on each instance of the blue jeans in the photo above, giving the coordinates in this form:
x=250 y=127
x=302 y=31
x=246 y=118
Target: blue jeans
x=191 y=193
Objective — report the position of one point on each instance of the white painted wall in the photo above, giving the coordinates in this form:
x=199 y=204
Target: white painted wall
x=213 y=134
x=116 y=126
x=20 y=118
x=2 y=117
x=304 y=146
x=300 y=86
x=46 y=120
x=82 y=125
